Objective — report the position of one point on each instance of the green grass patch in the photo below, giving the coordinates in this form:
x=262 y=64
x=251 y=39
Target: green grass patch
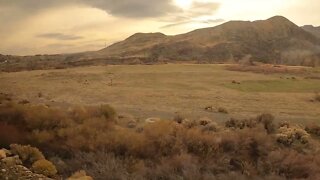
x=276 y=86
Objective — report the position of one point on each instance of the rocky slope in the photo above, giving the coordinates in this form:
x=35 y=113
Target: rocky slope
x=12 y=168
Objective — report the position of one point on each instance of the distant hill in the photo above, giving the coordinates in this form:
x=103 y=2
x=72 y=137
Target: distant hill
x=312 y=29
x=275 y=40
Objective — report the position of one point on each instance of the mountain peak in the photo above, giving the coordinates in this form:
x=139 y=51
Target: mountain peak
x=278 y=18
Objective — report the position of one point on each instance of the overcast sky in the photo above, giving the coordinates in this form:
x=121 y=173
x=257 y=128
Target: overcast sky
x=65 y=26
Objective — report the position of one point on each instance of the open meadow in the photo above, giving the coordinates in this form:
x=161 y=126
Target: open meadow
x=161 y=91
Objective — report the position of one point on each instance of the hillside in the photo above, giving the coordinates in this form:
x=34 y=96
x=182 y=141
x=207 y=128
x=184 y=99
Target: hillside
x=312 y=29
x=275 y=40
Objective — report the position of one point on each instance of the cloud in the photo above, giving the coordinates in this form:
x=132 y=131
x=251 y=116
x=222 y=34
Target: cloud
x=203 y=8
x=59 y=36
x=198 y=9
x=208 y=21
x=123 y=8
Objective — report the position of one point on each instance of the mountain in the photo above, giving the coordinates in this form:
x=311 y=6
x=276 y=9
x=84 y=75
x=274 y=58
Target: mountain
x=275 y=40
x=313 y=30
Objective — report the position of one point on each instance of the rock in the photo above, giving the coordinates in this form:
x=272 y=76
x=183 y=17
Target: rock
x=3 y=154
x=152 y=120
x=12 y=161
x=132 y=124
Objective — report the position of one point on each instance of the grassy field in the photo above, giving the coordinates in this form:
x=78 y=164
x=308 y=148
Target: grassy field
x=162 y=90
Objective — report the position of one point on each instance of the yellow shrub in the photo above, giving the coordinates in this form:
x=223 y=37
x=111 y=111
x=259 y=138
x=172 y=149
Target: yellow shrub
x=44 y=167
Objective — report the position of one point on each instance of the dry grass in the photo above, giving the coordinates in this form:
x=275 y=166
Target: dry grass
x=161 y=90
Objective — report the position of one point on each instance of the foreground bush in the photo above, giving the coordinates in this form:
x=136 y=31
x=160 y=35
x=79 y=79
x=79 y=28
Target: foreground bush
x=91 y=139
x=27 y=153
x=44 y=167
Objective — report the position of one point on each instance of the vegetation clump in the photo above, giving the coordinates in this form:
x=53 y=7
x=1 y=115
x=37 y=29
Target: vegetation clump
x=90 y=138
x=44 y=167
x=27 y=153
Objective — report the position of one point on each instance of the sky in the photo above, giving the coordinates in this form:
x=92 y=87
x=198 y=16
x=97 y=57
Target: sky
x=29 y=27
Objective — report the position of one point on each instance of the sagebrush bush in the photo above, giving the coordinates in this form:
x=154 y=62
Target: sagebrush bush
x=44 y=167
x=42 y=117
x=267 y=121
x=27 y=153
x=90 y=138
x=80 y=175
x=264 y=119
x=288 y=136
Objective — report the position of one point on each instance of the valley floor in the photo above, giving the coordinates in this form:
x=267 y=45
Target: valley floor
x=161 y=91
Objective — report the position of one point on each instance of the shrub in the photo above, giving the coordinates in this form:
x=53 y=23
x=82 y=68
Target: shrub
x=44 y=167
x=241 y=124
x=267 y=121
x=199 y=143
x=213 y=126
x=162 y=138
x=108 y=112
x=80 y=175
x=27 y=153
x=42 y=117
x=313 y=129
x=288 y=136
x=100 y=165
x=86 y=138
x=203 y=121
x=12 y=113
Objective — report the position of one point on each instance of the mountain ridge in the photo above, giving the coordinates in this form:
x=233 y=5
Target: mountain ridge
x=275 y=40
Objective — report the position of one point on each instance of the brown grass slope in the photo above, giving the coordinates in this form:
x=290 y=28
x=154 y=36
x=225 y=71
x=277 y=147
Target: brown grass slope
x=275 y=40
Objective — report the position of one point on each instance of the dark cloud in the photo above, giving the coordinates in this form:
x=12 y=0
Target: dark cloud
x=135 y=8
x=59 y=36
x=123 y=8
